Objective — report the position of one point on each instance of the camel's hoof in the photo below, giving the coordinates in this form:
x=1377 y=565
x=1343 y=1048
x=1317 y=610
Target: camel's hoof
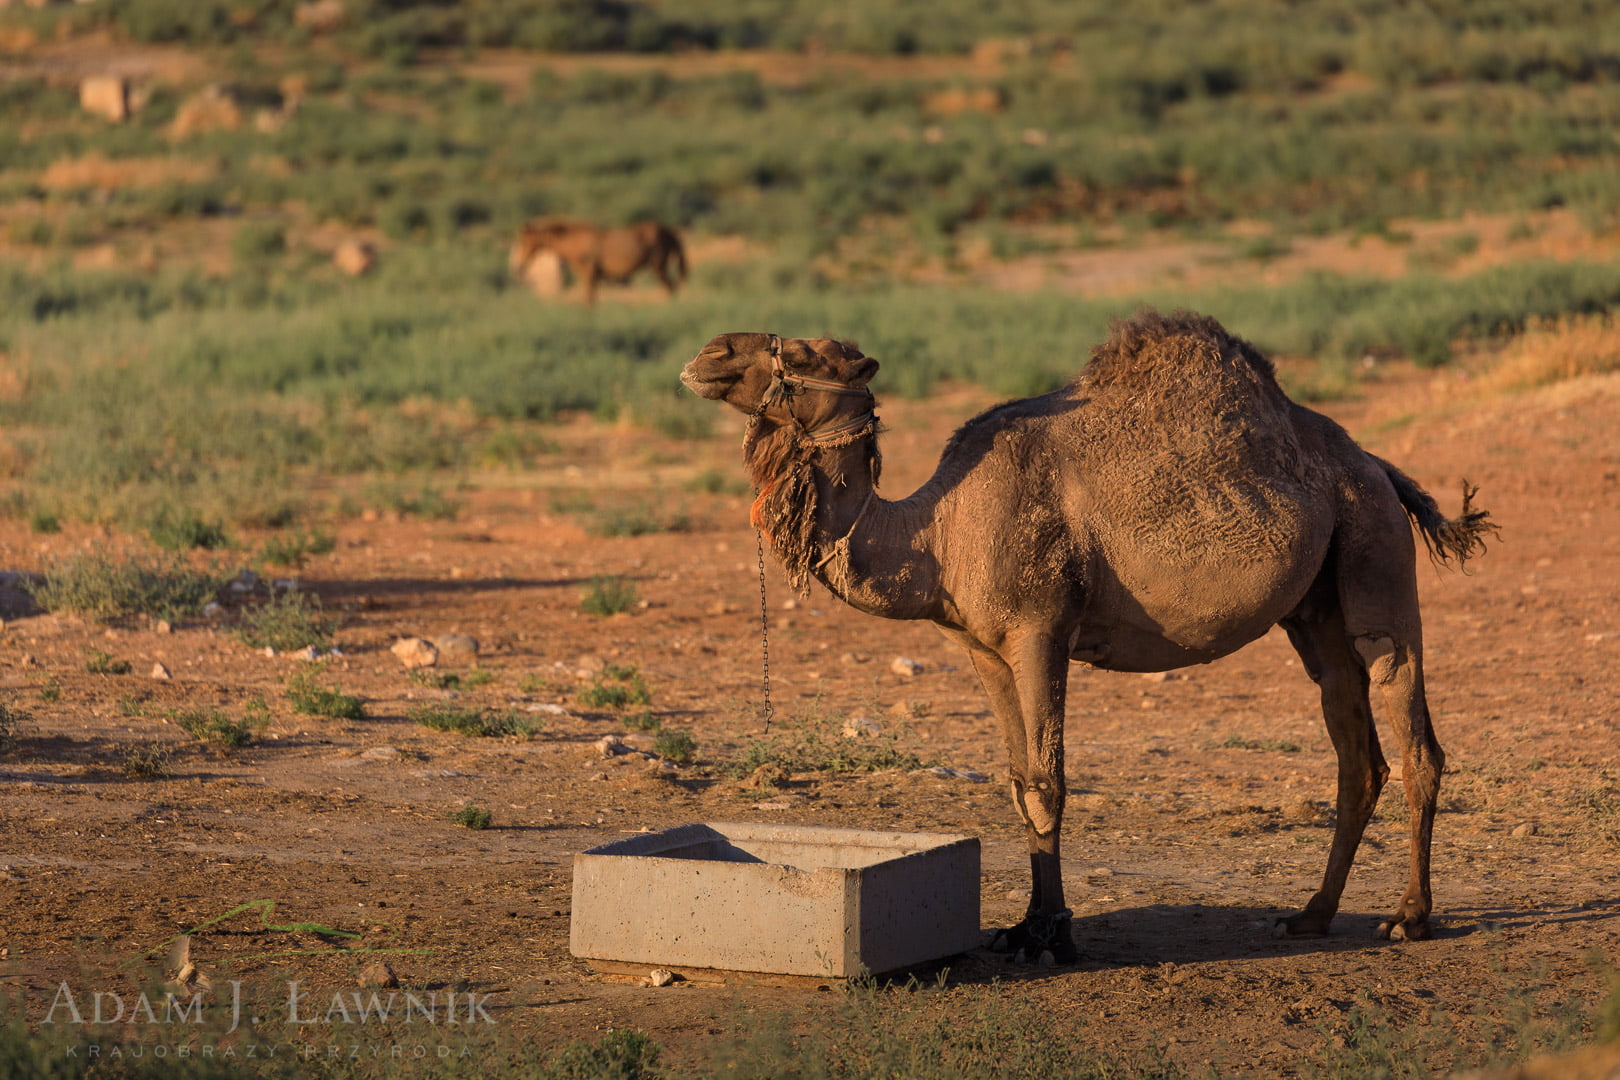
x=1404 y=930
x=1301 y=925
x=1043 y=939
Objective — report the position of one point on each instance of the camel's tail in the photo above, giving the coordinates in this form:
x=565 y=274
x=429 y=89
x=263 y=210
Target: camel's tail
x=1459 y=538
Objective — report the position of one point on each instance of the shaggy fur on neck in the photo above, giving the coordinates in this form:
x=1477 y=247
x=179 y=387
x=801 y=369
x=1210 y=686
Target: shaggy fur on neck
x=782 y=466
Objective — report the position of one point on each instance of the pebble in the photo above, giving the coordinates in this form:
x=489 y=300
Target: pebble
x=163 y=626
x=905 y=666
x=378 y=973
x=381 y=753
x=415 y=652
x=160 y=672
x=660 y=977
x=1527 y=829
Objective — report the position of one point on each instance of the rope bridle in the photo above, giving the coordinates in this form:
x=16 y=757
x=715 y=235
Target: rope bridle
x=784 y=387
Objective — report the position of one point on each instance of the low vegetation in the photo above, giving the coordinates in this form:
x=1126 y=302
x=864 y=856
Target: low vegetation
x=112 y=589
x=608 y=595
x=472 y=817
x=813 y=740
x=308 y=697
x=214 y=726
x=481 y=722
x=286 y=622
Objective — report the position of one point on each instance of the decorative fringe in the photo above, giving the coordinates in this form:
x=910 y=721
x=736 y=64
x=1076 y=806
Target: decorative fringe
x=781 y=464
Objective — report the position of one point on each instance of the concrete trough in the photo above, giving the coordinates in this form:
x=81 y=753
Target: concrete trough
x=777 y=899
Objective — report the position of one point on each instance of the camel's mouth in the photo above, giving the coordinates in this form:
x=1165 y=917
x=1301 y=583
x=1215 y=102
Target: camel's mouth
x=708 y=388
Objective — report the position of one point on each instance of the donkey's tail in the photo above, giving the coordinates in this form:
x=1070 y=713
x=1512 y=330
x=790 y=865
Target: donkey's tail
x=1460 y=538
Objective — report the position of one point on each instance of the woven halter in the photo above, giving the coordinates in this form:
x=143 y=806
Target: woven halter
x=785 y=386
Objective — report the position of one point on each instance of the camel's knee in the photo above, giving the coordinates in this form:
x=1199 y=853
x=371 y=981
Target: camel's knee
x=1380 y=655
x=1039 y=803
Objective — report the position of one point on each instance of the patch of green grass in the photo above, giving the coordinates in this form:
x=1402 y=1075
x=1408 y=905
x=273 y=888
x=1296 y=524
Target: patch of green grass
x=108 y=589
x=678 y=746
x=813 y=741
x=608 y=595
x=148 y=762
x=184 y=529
x=213 y=726
x=472 y=817
x=636 y=519
x=451 y=680
x=483 y=723
x=97 y=662
x=44 y=522
x=296 y=548
x=616 y=687
x=287 y=621
x=50 y=690
x=308 y=697
x=716 y=482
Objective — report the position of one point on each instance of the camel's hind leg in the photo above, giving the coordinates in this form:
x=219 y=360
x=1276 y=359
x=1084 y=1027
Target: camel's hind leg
x=1324 y=648
x=1397 y=667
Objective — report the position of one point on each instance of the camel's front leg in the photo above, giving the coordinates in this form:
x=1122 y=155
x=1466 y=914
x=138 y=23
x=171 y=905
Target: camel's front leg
x=1028 y=697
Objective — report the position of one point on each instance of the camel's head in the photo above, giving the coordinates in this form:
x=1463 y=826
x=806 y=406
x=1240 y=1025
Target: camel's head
x=742 y=370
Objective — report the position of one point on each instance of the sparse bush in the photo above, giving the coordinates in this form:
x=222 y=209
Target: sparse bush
x=1238 y=742
x=109 y=589
x=97 y=662
x=183 y=530
x=617 y=687
x=287 y=621
x=148 y=762
x=294 y=549
x=812 y=741
x=484 y=723
x=212 y=725
x=472 y=817
x=9 y=717
x=608 y=595
x=678 y=746
x=311 y=699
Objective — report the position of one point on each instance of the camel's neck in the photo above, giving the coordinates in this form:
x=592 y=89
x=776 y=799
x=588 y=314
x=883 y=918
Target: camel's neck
x=820 y=509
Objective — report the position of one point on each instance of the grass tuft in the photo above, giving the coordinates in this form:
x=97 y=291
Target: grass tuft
x=483 y=723
x=311 y=699
x=608 y=595
x=109 y=590
x=472 y=817
x=288 y=621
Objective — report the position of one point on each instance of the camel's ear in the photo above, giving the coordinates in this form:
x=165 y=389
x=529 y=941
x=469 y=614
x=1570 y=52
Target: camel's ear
x=864 y=369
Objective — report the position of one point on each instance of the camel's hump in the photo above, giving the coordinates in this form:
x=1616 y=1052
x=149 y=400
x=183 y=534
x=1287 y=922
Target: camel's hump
x=1182 y=353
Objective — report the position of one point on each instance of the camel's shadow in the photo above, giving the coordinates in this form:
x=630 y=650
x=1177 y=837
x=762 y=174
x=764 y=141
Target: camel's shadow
x=1156 y=934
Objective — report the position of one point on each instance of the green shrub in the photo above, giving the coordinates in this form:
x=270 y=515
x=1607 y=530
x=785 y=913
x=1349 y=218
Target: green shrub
x=608 y=595
x=678 y=746
x=812 y=741
x=472 y=817
x=97 y=662
x=148 y=762
x=183 y=530
x=311 y=699
x=295 y=548
x=212 y=725
x=484 y=723
x=616 y=687
x=288 y=621
x=107 y=588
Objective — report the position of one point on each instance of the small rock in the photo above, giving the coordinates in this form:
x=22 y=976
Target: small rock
x=548 y=709
x=381 y=753
x=905 y=666
x=268 y=652
x=415 y=652
x=457 y=647
x=378 y=973
x=661 y=977
x=213 y=609
x=27 y=660
x=355 y=257
x=106 y=96
x=160 y=672
x=589 y=665
x=308 y=653
x=1527 y=829
x=163 y=626
x=610 y=746
x=857 y=727
x=765 y=778
x=1156 y=676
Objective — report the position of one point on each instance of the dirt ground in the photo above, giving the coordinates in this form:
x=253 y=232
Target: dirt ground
x=1192 y=822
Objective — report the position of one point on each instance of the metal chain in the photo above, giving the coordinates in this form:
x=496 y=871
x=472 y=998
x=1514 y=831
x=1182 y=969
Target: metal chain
x=764 y=633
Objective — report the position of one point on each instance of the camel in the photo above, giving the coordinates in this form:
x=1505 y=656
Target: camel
x=1165 y=508
x=595 y=255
